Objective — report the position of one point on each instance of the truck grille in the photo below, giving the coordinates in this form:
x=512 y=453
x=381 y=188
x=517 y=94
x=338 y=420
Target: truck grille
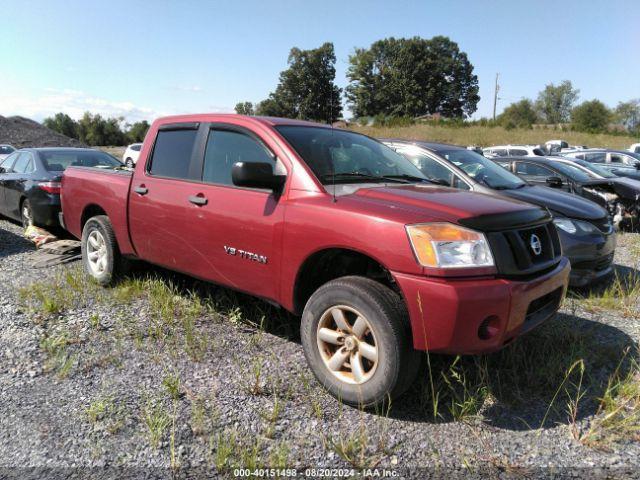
x=524 y=244
x=525 y=252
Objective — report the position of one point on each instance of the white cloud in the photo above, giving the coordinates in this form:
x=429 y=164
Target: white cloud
x=74 y=103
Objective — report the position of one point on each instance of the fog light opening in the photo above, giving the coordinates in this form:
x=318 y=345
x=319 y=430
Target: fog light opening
x=489 y=328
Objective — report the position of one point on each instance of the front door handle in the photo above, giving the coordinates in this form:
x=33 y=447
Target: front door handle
x=141 y=190
x=198 y=199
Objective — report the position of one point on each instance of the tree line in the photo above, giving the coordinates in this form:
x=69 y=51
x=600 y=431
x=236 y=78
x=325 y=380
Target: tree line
x=395 y=81
x=93 y=129
x=405 y=77
x=557 y=104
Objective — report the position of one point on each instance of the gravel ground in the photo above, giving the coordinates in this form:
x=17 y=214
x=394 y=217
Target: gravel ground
x=250 y=400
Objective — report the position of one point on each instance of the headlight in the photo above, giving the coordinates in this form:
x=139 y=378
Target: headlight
x=444 y=245
x=575 y=226
x=565 y=224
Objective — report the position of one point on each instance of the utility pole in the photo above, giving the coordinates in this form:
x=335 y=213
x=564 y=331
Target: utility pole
x=495 y=97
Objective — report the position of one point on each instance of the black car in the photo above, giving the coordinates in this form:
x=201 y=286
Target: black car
x=30 y=181
x=586 y=233
x=620 y=196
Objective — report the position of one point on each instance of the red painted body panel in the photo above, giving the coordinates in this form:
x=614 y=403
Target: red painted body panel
x=163 y=227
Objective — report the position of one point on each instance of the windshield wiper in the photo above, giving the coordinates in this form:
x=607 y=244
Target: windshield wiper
x=412 y=178
x=378 y=178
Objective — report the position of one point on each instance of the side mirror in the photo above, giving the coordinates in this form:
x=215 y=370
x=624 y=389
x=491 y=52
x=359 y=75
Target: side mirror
x=2 y=170
x=554 y=182
x=256 y=175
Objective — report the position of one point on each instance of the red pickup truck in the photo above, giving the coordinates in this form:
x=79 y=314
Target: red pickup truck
x=331 y=225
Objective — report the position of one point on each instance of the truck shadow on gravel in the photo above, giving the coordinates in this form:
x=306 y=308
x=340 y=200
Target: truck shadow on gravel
x=533 y=383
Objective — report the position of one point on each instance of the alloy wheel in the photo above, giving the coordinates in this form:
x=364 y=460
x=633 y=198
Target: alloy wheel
x=347 y=344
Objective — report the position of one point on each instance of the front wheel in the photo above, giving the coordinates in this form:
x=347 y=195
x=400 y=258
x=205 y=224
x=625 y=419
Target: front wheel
x=100 y=253
x=356 y=339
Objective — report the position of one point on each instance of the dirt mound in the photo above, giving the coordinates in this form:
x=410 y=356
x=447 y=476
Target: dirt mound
x=22 y=132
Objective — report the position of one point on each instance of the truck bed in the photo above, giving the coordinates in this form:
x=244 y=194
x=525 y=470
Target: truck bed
x=84 y=188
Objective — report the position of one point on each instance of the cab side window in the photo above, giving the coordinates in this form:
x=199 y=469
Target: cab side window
x=172 y=151
x=518 y=153
x=227 y=147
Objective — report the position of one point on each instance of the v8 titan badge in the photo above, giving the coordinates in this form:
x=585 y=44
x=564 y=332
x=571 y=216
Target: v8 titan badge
x=236 y=252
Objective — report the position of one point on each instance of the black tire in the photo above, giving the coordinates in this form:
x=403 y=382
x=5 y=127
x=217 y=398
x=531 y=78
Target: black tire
x=26 y=213
x=398 y=362
x=116 y=265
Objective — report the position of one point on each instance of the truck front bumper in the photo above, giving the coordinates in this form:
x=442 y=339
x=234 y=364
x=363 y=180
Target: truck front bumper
x=471 y=316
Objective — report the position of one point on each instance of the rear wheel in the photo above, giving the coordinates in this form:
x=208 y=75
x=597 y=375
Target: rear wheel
x=26 y=214
x=356 y=339
x=100 y=253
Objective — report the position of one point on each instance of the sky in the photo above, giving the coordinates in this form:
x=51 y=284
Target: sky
x=143 y=59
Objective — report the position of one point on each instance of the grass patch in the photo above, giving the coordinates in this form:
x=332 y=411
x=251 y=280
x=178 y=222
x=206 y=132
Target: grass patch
x=486 y=136
x=106 y=411
x=622 y=295
x=156 y=419
x=618 y=416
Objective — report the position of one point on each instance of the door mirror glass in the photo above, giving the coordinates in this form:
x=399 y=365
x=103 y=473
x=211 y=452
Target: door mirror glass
x=256 y=175
x=554 y=182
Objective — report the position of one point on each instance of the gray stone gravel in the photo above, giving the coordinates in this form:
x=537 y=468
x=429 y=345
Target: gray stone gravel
x=44 y=423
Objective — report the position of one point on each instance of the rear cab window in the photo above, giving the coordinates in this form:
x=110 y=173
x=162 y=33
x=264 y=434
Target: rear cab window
x=172 y=151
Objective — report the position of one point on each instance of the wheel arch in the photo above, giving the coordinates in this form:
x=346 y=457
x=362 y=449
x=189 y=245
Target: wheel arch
x=330 y=263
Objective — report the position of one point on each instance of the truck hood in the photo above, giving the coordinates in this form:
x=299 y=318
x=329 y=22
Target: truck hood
x=441 y=203
x=566 y=204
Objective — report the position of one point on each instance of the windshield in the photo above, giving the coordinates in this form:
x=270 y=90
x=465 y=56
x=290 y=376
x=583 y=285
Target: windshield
x=572 y=172
x=346 y=157
x=482 y=169
x=58 y=161
x=603 y=172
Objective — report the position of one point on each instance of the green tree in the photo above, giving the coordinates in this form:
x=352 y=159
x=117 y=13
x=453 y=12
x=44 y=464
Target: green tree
x=307 y=89
x=555 y=102
x=592 y=116
x=62 y=123
x=96 y=130
x=137 y=131
x=245 y=108
x=628 y=114
x=412 y=77
x=520 y=114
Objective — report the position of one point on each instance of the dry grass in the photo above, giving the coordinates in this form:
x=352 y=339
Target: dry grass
x=486 y=136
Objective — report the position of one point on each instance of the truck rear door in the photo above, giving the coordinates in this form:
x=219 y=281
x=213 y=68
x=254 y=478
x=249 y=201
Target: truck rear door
x=202 y=224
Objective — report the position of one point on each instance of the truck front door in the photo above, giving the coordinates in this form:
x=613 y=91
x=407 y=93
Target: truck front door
x=237 y=231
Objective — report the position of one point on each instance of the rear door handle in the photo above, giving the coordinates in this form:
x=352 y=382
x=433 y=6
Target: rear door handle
x=198 y=200
x=141 y=190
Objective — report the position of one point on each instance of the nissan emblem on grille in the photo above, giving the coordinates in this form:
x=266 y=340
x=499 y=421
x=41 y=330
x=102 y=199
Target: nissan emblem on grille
x=536 y=245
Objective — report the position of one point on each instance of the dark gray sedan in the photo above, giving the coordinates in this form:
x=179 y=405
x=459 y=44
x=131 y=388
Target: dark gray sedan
x=30 y=181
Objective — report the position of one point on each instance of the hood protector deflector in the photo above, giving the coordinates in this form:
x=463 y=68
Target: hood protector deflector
x=507 y=221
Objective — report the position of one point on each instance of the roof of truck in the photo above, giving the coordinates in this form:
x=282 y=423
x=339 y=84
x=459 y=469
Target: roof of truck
x=221 y=117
